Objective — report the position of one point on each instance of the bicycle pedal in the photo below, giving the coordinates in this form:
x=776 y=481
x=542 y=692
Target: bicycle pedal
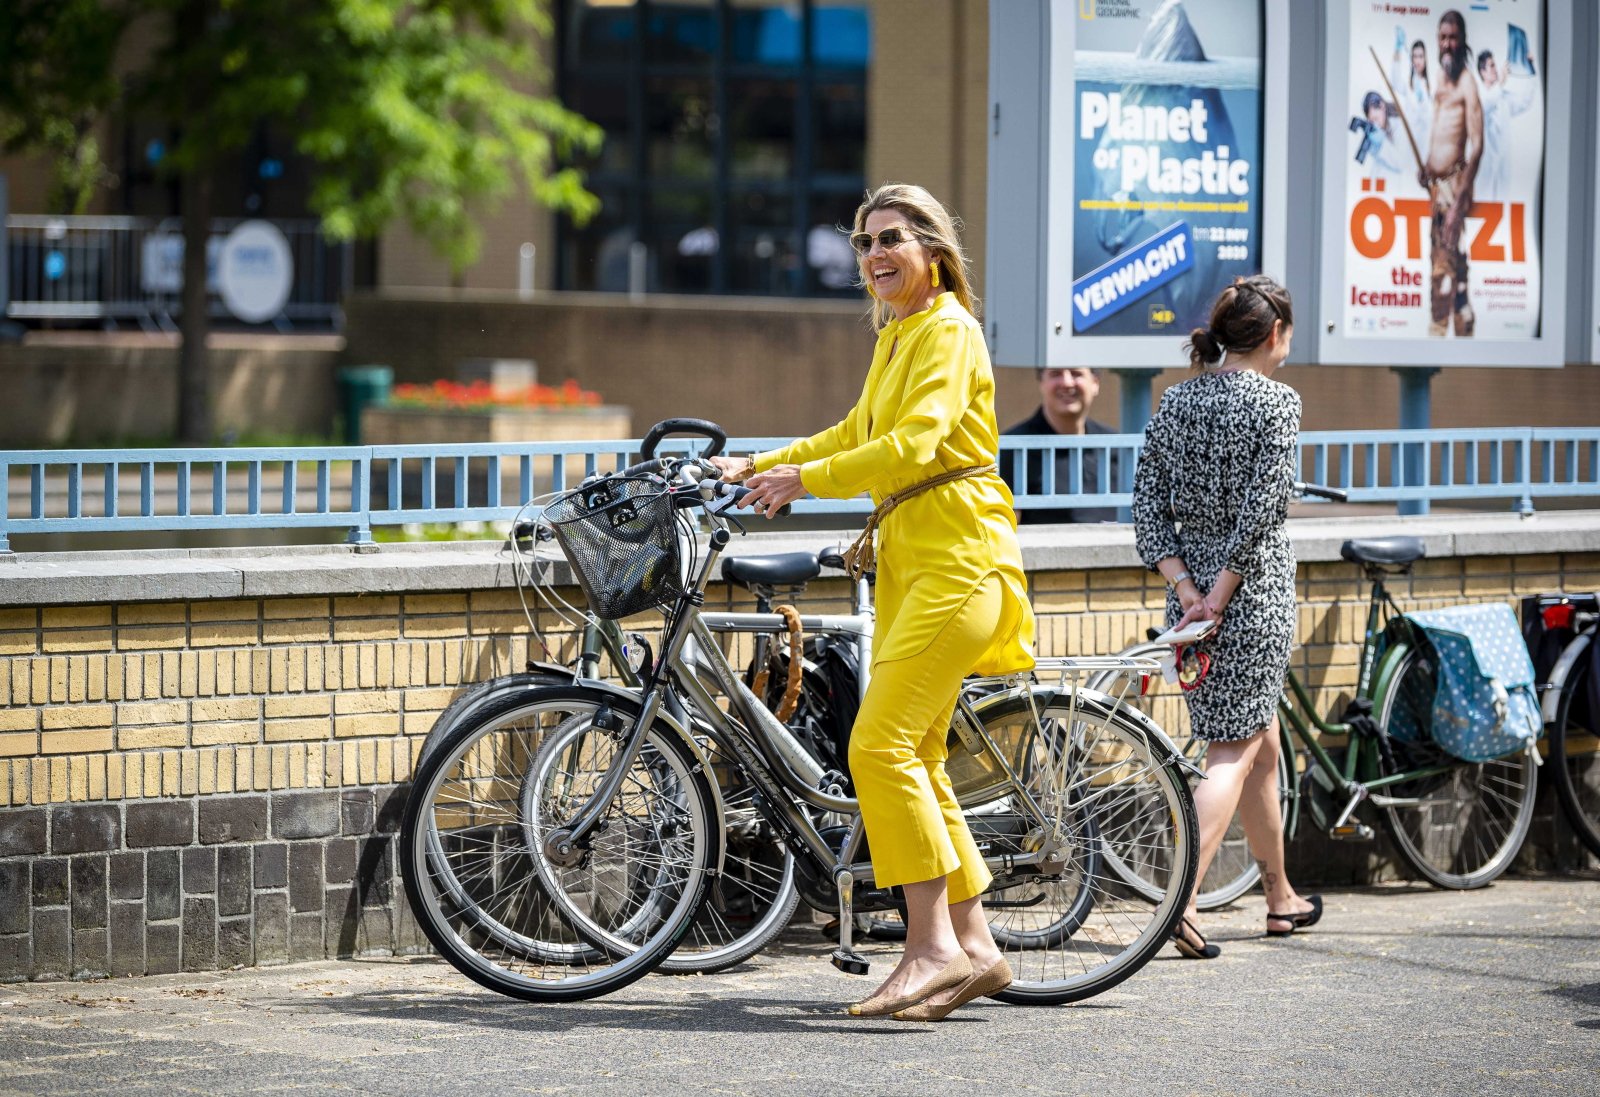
x=849 y=962
x=1352 y=832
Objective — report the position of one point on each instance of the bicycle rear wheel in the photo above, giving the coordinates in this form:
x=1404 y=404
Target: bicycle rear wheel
x=1574 y=764
x=471 y=852
x=1078 y=929
x=1461 y=824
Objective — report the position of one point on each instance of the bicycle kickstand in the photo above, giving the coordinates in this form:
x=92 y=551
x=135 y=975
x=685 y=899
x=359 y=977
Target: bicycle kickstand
x=845 y=957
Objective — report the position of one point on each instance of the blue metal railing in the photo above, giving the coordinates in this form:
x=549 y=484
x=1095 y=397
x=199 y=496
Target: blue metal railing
x=358 y=487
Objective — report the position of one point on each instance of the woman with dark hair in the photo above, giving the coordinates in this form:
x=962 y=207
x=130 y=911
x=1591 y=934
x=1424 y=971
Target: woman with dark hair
x=952 y=596
x=1210 y=498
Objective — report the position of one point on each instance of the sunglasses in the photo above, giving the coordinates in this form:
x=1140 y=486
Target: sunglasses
x=890 y=238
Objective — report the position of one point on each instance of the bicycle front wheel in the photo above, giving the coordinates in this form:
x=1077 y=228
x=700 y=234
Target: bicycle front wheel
x=473 y=860
x=1574 y=763
x=1459 y=824
x=1077 y=929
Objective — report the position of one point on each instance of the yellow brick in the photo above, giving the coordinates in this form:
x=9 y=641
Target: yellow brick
x=152 y=712
x=19 y=719
x=498 y=622
x=497 y=600
x=146 y=637
x=79 y=716
x=19 y=619
x=97 y=776
x=453 y=604
x=259 y=663
x=94 y=678
x=367 y=762
x=78 y=640
x=226 y=610
x=428 y=700
x=155 y=735
x=345 y=727
x=296 y=755
x=153 y=613
x=332 y=765
x=170 y=785
x=349 y=666
x=58 y=679
x=206 y=674
x=297 y=670
x=204 y=735
x=188 y=674
x=1115 y=599
x=367 y=605
x=208 y=772
x=216 y=634
x=349 y=768
x=77 y=617
x=278 y=731
x=1487 y=565
x=259 y=771
x=21 y=676
x=13 y=744
x=309 y=705
x=346 y=704
x=384 y=675
x=116 y=770
x=18 y=643
x=1479 y=586
x=39 y=780
x=384 y=757
x=287 y=609
x=277 y=670
x=296 y=632
x=418 y=723
x=366 y=628
x=189 y=777
x=280 y=768
x=225 y=771
x=75 y=742
x=226 y=708
x=315 y=774
x=367 y=666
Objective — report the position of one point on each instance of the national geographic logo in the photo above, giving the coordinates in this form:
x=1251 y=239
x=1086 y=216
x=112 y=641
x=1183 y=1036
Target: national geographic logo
x=1161 y=316
x=1108 y=9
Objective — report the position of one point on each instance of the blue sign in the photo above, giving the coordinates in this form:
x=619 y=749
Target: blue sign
x=55 y=265
x=1168 y=150
x=1138 y=272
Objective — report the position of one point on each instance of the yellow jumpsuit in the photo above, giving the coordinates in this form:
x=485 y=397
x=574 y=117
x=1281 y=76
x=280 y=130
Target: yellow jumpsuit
x=951 y=598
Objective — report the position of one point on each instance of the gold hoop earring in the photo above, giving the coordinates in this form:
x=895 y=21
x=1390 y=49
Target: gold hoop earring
x=936 y=273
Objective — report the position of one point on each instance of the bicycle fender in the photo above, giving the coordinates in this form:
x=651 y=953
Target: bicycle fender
x=1561 y=672
x=1383 y=674
x=632 y=698
x=1095 y=702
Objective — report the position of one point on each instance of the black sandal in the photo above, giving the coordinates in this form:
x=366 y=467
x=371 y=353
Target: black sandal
x=1186 y=947
x=1301 y=919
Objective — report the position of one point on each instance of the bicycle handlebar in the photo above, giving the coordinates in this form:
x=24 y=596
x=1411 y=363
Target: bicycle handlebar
x=1334 y=495
x=703 y=427
x=722 y=490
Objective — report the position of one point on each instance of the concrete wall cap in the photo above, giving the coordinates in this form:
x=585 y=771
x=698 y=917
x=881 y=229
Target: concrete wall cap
x=43 y=578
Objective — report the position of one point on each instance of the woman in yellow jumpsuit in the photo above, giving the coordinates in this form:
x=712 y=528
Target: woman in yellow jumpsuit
x=952 y=597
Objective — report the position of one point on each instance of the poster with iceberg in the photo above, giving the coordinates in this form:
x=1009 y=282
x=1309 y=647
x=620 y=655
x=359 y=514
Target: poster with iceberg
x=1167 y=152
x=1442 y=169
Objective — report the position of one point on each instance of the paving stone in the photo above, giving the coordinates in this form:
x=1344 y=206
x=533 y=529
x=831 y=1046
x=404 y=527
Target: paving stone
x=127 y=875
x=233 y=819
x=160 y=823
x=85 y=828
x=164 y=884
x=88 y=893
x=199 y=934
x=52 y=943
x=51 y=882
x=305 y=814
x=305 y=877
x=127 y=938
x=91 y=950
x=163 y=948
x=23 y=832
x=356 y=811
x=233 y=880
x=16 y=957
x=340 y=858
x=272 y=865
x=305 y=936
x=199 y=871
x=16 y=896
x=272 y=929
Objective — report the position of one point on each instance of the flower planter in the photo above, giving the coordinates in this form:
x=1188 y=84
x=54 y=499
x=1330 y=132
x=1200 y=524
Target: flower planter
x=389 y=426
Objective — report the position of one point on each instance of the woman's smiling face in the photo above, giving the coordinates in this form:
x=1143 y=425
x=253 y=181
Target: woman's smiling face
x=900 y=276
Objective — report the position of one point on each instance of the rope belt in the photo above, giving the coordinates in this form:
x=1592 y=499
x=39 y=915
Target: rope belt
x=791 y=690
x=860 y=557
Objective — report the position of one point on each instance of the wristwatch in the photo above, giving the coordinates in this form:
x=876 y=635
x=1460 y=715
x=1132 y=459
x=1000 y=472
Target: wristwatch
x=1178 y=578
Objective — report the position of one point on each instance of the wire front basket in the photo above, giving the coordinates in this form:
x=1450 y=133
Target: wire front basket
x=620 y=536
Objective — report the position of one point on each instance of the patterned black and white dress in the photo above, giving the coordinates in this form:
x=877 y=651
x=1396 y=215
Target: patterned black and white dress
x=1212 y=488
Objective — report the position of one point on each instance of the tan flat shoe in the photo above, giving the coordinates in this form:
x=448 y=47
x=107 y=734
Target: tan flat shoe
x=984 y=984
x=953 y=974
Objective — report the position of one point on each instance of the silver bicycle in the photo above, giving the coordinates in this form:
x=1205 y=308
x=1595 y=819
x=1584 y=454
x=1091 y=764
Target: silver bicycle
x=562 y=842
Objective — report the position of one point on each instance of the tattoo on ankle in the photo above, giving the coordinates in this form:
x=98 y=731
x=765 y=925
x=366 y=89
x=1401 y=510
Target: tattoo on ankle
x=1269 y=880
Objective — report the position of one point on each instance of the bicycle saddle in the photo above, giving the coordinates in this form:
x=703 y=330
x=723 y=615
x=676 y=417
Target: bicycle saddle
x=1383 y=550
x=774 y=570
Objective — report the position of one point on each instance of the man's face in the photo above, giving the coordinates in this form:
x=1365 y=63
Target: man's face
x=1068 y=392
x=1450 y=48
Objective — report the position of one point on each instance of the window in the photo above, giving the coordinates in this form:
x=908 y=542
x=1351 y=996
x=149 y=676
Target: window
x=735 y=143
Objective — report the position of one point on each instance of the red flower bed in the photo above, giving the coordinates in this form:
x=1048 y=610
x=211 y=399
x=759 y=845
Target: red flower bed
x=480 y=396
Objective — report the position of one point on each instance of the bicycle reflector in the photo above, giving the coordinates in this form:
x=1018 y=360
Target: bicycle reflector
x=1192 y=667
x=1558 y=615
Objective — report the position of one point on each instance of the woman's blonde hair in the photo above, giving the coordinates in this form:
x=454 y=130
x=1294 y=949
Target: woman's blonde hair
x=935 y=227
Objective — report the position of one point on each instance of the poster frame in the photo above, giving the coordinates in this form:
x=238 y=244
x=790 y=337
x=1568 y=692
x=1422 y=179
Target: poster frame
x=1032 y=159
x=1549 y=348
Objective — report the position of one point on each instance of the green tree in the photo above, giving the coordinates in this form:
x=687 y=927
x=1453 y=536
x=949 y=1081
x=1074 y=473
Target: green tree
x=410 y=110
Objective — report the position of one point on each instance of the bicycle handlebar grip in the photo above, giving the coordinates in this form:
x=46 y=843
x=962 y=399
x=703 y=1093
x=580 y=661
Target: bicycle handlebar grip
x=655 y=464
x=1334 y=495
x=723 y=489
x=703 y=427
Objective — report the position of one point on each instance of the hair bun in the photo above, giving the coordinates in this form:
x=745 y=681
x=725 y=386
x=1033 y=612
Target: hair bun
x=1203 y=348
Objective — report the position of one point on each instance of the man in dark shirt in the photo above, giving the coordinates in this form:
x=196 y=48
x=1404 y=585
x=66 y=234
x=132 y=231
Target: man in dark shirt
x=1065 y=397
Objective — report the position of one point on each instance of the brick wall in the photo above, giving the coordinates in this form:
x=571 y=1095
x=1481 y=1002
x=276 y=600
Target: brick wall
x=203 y=784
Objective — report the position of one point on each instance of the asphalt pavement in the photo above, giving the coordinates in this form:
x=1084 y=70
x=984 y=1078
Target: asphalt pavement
x=1400 y=990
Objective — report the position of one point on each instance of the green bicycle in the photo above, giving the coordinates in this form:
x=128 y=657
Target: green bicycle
x=1458 y=824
